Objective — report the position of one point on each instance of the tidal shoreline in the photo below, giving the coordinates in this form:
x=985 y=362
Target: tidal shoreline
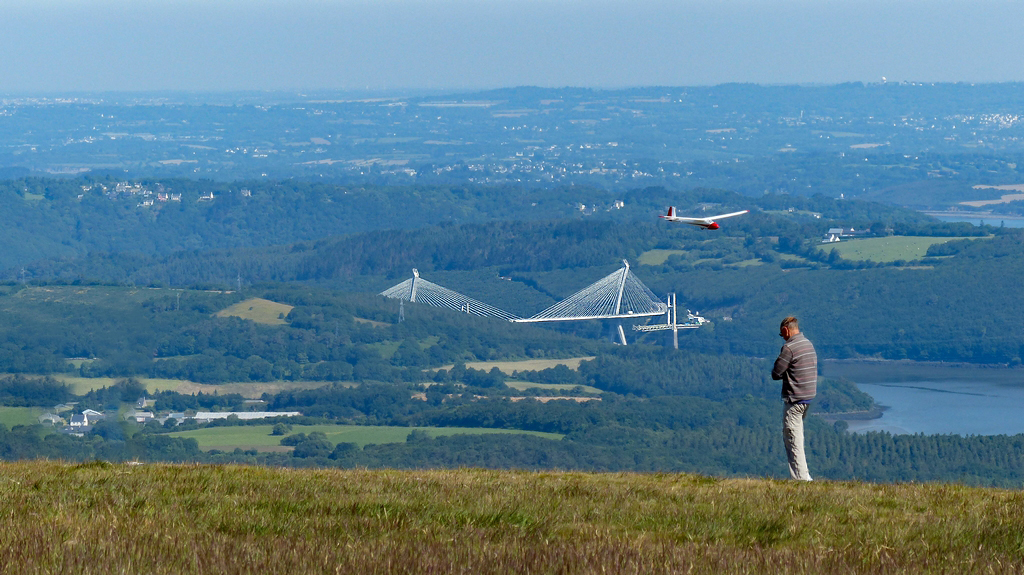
x=933 y=397
x=866 y=415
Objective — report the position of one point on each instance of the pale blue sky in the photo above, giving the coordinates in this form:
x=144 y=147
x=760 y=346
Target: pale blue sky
x=71 y=45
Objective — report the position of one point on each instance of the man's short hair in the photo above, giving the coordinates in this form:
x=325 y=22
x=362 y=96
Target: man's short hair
x=789 y=322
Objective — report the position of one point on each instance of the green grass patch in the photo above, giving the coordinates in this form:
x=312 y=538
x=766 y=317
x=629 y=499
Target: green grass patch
x=190 y=519
x=887 y=249
x=103 y=296
x=525 y=385
x=508 y=367
x=246 y=390
x=259 y=437
x=658 y=257
x=386 y=349
x=11 y=416
x=371 y=322
x=791 y=257
x=258 y=310
x=81 y=385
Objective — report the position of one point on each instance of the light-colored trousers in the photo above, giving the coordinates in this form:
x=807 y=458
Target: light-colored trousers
x=793 y=436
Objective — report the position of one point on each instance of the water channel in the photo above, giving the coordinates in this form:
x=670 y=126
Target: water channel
x=980 y=219
x=937 y=398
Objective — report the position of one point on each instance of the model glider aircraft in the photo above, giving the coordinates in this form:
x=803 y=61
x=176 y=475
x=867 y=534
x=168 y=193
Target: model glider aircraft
x=705 y=223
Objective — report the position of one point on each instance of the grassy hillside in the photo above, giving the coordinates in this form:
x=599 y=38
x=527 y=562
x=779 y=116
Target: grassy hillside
x=886 y=249
x=259 y=436
x=199 y=519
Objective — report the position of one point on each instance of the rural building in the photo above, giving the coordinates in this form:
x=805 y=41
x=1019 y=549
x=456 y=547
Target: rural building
x=832 y=235
x=93 y=416
x=208 y=416
x=139 y=416
x=51 y=418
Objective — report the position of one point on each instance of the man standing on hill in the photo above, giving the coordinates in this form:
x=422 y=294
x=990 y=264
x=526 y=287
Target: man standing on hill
x=797 y=367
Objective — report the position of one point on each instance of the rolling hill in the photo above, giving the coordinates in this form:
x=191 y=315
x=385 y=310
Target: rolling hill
x=226 y=519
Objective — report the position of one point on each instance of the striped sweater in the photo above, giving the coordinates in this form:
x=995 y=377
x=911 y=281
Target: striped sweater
x=797 y=367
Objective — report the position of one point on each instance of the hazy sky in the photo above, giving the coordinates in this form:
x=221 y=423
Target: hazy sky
x=71 y=45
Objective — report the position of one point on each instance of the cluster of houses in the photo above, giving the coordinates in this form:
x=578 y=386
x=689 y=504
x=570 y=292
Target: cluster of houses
x=80 y=423
x=834 y=235
x=149 y=197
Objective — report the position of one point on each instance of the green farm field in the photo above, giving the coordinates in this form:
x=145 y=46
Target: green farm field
x=507 y=367
x=11 y=416
x=186 y=519
x=81 y=385
x=887 y=249
x=259 y=437
x=658 y=256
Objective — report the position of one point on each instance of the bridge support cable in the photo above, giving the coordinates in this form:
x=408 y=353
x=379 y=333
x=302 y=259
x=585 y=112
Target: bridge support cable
x=419 y=290
x=618 y=295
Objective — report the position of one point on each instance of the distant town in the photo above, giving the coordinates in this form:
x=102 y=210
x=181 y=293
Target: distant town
x=804 y=140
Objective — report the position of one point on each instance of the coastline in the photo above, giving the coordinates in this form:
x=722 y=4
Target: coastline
x=931 y=396
x=970 y=215
x=873 y=370
x=875 y=412
x=915 y=362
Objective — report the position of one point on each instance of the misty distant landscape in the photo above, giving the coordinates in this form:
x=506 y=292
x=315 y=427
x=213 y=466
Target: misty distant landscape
x=194 y=277
x=909 y=143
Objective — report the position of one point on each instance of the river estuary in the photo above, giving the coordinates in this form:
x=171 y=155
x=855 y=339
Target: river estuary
x=936 y=398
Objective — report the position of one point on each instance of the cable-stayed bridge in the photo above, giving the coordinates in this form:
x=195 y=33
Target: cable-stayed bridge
x=419 y=290
x=618 y=295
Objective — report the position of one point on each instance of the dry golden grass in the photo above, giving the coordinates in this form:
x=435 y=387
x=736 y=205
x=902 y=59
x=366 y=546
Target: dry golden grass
x=246 y=390
x=524 y=385
x=258 y=310
x=371 y=322
x=99 y=518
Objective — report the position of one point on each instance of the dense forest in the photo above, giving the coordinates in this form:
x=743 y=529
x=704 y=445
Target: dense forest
x=762 y=266
x=71 y=218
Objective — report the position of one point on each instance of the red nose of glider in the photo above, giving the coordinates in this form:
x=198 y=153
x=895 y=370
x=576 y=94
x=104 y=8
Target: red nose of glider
x=713 y=226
